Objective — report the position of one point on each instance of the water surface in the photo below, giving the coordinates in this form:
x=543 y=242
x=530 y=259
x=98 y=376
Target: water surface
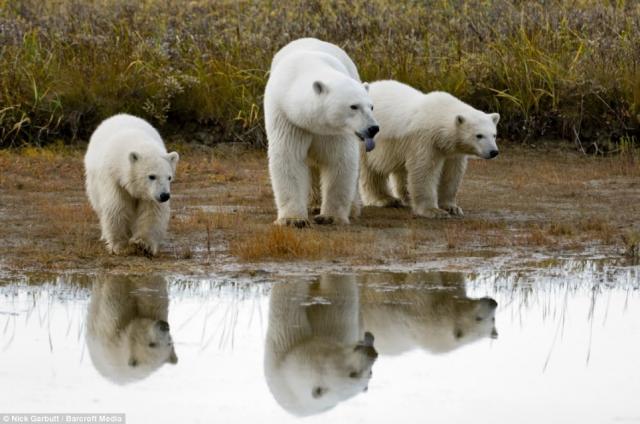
x=547 y=345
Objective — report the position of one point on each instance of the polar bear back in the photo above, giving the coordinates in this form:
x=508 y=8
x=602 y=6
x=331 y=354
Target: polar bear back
x=403 y=110
x=119 y=135
x=317 y=46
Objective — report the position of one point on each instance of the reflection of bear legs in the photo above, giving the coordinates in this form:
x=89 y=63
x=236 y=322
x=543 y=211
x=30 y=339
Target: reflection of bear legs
x=423 y=177
x=115 y=213
x=338 y=163
x=150 y=225
x=289 y=173
x=452 y=173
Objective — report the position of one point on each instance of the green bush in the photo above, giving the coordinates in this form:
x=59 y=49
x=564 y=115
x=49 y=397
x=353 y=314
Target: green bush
x=553 y=69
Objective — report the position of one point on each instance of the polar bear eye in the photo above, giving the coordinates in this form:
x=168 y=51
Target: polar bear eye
x=371 y=107
x=169 y=177
x=354 y=107
x=479 y=136
x=152 y=177
x=152 y=344
x=353 y=374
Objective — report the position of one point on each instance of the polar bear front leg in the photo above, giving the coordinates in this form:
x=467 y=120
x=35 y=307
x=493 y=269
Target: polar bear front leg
x=374 y=188
x=290 y=179
x=452 y=174
x=399 y=184
x=423 y=178
x=115 y=220
x=150 y=226
x=339 y=179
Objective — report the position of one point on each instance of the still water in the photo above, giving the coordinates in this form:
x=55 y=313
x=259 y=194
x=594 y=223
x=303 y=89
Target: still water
x=554 y=345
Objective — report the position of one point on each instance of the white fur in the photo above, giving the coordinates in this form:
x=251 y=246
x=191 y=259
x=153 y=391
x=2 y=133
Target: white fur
x=315 y=353
x=426 y=311
x=309 y=122
x=123 y=319
x=124 y=151
x=423 y=145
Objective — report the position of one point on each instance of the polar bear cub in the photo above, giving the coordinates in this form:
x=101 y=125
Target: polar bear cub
x=423 y=145
x=316 y=108
x=128 y=179
x=127 y=330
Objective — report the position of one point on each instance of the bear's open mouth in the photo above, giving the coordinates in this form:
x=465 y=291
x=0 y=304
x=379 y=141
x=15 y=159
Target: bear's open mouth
x=369 y=144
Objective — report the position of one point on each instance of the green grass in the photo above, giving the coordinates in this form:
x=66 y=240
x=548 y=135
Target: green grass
x=554 y=69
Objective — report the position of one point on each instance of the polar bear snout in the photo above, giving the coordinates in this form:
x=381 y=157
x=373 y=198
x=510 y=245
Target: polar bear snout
x=373 y=130
x=164 y=197
x=493 y=154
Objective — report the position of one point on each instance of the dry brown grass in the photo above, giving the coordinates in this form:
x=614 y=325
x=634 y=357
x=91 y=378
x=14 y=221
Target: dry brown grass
x=222 y=212
x=284 y=243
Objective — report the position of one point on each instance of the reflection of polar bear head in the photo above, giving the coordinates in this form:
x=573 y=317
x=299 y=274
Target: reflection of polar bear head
x=316 y=352
x=127 y=332
x=425 y=310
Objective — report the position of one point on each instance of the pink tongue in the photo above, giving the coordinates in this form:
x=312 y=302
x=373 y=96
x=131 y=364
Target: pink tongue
x=369 y=144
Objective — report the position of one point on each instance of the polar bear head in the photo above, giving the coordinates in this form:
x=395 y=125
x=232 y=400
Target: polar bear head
x=317 y=375
x=151 y=174
x=477 y=133
x=475 y=320
x=336 y=105
x=148 y=344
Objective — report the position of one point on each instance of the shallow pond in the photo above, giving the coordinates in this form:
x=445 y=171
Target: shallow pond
x=560 y=344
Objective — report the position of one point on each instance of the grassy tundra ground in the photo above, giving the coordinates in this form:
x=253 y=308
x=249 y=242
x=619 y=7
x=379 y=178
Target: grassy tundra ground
x=527 y=204
x=565 y=69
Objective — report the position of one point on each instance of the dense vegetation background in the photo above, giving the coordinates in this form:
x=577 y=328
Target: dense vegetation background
x=553 y=69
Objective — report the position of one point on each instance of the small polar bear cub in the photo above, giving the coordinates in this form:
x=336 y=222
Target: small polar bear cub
x=316 y=108
x=423 y=146
x=128 y=180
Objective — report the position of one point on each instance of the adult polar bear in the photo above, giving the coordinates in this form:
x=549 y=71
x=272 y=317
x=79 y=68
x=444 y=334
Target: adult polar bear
x=315 y=108
x=423 y=145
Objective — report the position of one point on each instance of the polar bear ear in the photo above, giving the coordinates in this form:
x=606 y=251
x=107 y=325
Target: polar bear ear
x=495 y=117
x=173 y=358
x=133 y=157
x=320 y=88
x=460 y=120
x=366 y=86
x=173 y=157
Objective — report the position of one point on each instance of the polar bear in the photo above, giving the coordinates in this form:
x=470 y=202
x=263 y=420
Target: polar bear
x=315 y=109
x=127 y=331
x=423 y=146
x=128 y=178
x=430 y=311
x=316 y=350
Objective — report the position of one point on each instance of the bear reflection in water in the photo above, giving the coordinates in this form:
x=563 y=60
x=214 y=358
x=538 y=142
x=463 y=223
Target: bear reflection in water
x=320 y=342
x=317 y=352
x=430 y=311
x=127 y=331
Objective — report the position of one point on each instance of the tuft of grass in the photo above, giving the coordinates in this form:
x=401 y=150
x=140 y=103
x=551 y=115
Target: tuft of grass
x=276 y=242
x=556 y=69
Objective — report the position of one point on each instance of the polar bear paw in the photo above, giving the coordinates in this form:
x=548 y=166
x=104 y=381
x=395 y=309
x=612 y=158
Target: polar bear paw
x=433 y=213
x=293 y=222
x=143 y=246
x=323 y=219
x=454 y=210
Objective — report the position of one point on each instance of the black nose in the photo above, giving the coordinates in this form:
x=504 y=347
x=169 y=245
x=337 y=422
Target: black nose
x=163 y=326
x=373 y=130
x=164 y=197
x=493 y=153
